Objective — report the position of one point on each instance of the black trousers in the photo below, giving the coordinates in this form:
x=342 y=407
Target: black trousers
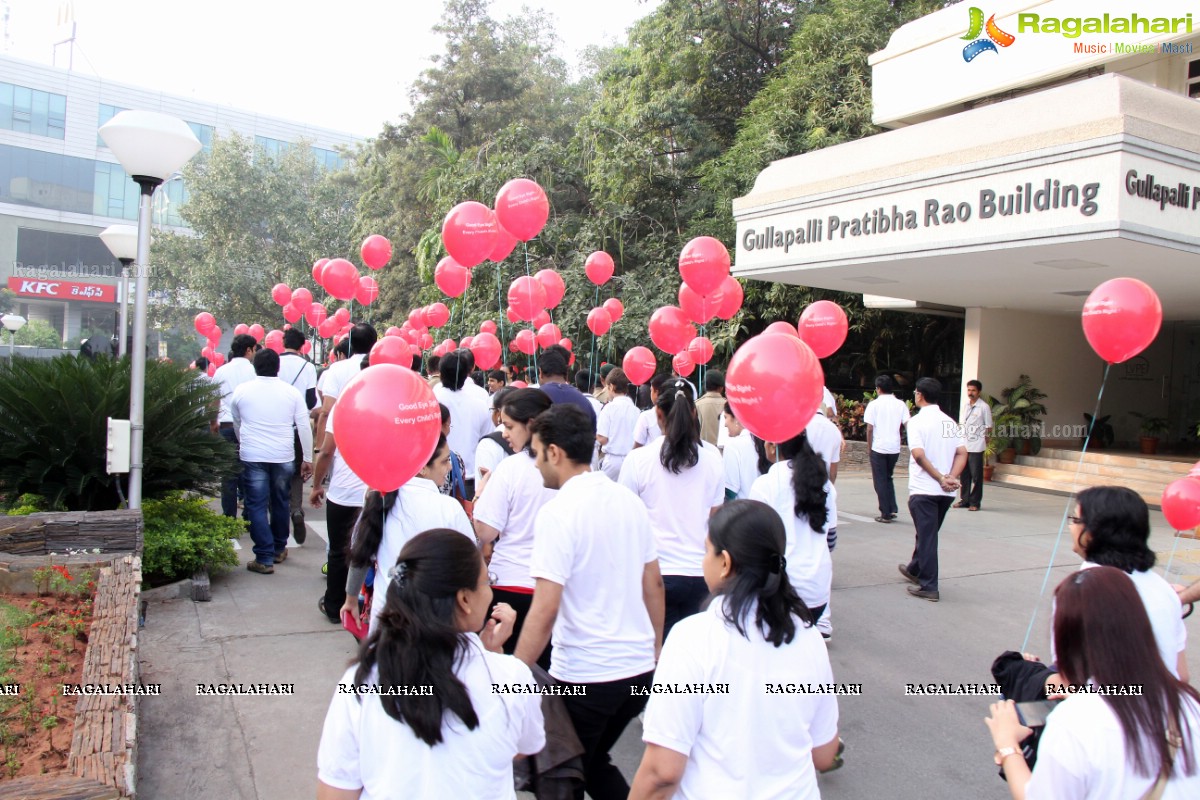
x=296 y=497
x=684 y=596
x=231 y=484
x=882 y=466
x=600 y=718
x=928 y=512
x=972 y=480
x=340 y=521
x=520 y=603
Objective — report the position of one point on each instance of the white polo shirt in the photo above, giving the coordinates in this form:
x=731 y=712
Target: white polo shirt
x=339 y=374
x=345 y=487
x=886 y=414
x=617 y=421
x=679 y=505
x=747 y=743
x=488 y=453
x=470 y=421
x=976 y=419
x=296 y=370
x=510 y=503
x=825 y=438
x=594 y=539
x=934 y=432
x=229 y=376
x=646 y=430
x=828 y=400
x=362 y=747
x=266 y=411
x=809 y=566
x=741 y=464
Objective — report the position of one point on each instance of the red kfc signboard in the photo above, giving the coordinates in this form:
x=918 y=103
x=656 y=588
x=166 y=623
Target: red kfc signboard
x=63 y=290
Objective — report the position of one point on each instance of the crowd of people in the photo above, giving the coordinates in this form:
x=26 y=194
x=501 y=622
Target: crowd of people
x=577 y=553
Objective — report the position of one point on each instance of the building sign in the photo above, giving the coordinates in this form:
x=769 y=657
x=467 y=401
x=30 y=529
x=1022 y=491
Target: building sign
x=63 y=290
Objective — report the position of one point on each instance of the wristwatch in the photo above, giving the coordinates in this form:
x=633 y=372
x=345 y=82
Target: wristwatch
x=1005 y=752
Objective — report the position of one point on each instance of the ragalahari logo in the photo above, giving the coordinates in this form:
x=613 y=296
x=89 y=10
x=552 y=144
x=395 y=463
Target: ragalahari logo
x=994 y=37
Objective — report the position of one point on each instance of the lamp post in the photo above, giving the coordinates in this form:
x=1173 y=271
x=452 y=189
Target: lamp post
x=122 y=241
x=151 y=147
x=12 y=323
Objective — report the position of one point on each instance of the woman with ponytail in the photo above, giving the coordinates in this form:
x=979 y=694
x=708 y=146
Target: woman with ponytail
x=417 y=716
x=798 y=488
x=755 y=634
x=389 y=520
x=681 y=479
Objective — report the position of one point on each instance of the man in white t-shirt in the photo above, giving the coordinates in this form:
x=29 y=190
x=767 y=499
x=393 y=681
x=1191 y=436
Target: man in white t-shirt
x=470 y=419
x=885 y=416
x=598 y=587
x=296 y=370
x=937 y=457
x=230 y=375
x=977 y=427
x=360 y=340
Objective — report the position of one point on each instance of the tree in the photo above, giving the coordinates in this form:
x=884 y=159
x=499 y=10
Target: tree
x=39 y=333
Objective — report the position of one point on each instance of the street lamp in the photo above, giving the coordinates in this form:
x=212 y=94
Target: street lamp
x=121 y=241
x=12 y=323
x=151 y=147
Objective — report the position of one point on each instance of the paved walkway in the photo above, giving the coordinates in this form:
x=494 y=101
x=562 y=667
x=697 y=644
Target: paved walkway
x=266 y=629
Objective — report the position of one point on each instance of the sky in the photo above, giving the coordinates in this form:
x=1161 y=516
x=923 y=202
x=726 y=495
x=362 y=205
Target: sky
x=342 y=65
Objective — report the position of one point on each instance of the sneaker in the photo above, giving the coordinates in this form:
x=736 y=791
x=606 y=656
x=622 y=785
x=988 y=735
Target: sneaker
x=260 y=568
x=925 y=594
x=325 y=568
x=299 y=532
x=281 y=557
x=908 y=575
x=321 y=606
x=883 y=519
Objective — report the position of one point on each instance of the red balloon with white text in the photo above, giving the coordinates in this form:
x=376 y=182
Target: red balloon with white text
x=774 y=385
x=1121 y=318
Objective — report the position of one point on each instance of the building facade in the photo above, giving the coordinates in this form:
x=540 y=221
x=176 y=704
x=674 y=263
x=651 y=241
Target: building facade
x=60 y=186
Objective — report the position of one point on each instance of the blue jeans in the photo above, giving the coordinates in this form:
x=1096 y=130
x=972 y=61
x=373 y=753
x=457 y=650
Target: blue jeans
x=684 y=596
x=267 y=487
x=231 y=485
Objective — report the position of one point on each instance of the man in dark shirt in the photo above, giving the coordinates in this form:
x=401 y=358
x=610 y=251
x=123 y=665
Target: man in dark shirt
x=552 y=379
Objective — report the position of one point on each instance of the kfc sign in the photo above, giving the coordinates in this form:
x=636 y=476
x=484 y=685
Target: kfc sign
x=63 y=290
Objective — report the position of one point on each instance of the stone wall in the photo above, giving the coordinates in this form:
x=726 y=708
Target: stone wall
x=855 y=458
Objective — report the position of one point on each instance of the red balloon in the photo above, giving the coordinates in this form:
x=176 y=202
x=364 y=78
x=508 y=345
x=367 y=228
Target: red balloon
x=448 y=346
x=241 y=328
x=548 y=335
x=393 y=331
x=327 y=327
x=599 y=321
x=1181 y=503
x=519 y=385
x=281 y=294
x=505 y=242
x=342 y=316
x=341 y=278
x=782 y=327
x=212 y=369
x=700 y=350
x=670 y=330
x=257 y=331
x=1195 y=471
x=287 y=327
x=599 y=267
x=388 y=425
x=731 y=298
x=318 y=270
x=567 y=343
x=207 y=352
x=683 y=363
x=218 y=358
x=704 y=264
x=451 y=277
x=306 y=348
x=302 y=299
x=699 y=308
x=526 y=297
x=316 y=314
x=274 y=341
x=437 y=315
x=368 y=290
x=376 y=251
x=615 y=309
x=1121 y=318
x=415 y=349
x=522 y=208
x=291 y=313
x=465 y=343
x=511 y=315
x=542 y=318
x=526 y=342
x=391 y=350
x=426 y=341
x=487 y=326
x=773 y=385
x=204 y=323
x=555 y=288
x=415 y=318
x=823 y=327
x=214 y=336
x=512 y=346
x=469 y=232
x=639 y=365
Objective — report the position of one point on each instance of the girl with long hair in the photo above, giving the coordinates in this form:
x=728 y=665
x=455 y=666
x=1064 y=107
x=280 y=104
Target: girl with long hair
x=418 y=716
x=614 y=427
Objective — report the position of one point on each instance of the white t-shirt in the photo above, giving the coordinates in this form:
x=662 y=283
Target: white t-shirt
x=363 y=747
x=809 y=566
x=747 y=743
x=935 y=433
x=229 y=376
x=646 y=430
x=741 y=464
x=828 y=401
x=339 y=374
x=266 y=411
x=419 y=507
x=1082 y=756
x=470 y=421
x=345 y=487
x=593 y=538
x=825 y=438
x=488 y=453
x=679 y=505
x=616 y=422
x=296 y=370
x=886 y=414
x=975 y=420
x=510 y=503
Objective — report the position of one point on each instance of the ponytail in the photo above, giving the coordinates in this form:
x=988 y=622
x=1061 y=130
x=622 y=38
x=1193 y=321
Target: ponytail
x=809 y=477
x=681 y=434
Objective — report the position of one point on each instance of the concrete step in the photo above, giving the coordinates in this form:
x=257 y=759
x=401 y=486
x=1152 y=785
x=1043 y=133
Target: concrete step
x=1173 y=464
x=1006 y=475
x=1036 y=465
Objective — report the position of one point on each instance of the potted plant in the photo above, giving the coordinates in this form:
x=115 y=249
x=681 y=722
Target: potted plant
x=1152 y=428
x=1024 y=401
x=1100 y=430
x=1004 y=428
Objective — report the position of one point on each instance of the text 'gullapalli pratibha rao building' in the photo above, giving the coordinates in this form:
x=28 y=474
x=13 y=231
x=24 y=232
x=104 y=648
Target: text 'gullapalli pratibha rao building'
x=1035 y=150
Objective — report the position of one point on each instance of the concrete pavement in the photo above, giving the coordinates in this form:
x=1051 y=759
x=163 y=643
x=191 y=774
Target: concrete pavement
x=266 y=629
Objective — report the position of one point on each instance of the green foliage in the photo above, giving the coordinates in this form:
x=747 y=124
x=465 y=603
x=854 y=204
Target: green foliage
x=38 y=333
x=28 y=504
x=53 y=430
x=1151 y=426
x=183 y=535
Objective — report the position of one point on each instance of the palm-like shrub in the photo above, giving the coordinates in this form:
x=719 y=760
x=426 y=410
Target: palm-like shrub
x=53 y=430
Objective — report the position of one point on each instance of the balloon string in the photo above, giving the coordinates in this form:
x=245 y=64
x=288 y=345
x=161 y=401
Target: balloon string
x=1174 y=547
x=592 y=358
x=525 y=249
x=500 y=317
x=1062 y=525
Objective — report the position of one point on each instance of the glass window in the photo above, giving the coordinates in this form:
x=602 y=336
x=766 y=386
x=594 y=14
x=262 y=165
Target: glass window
x=41 y=113
x=1193 y=81
x=56 y=123
x=273 y=147
x=28 y=110
x=107 y=112
x=22 y=108
x=328 y=159
x=6 y=105
x=46 y=180
x=204 y=133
